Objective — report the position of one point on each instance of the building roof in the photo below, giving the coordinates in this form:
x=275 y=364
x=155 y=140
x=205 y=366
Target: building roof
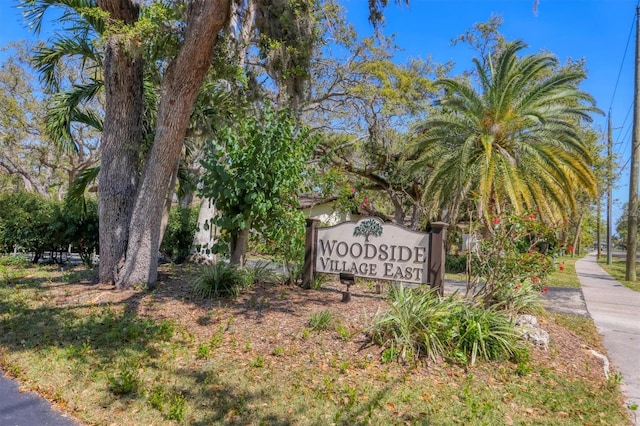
x=307 y=201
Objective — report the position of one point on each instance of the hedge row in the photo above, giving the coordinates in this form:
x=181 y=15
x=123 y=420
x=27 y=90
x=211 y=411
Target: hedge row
x=32 y=223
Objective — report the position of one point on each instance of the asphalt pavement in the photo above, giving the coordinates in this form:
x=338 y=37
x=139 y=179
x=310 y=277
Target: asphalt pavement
x=27 y=408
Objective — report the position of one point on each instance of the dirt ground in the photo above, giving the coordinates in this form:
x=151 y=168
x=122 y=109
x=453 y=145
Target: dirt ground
x=277 y=315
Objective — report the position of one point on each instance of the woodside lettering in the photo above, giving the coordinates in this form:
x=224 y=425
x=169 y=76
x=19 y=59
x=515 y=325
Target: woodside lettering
x=383 y=253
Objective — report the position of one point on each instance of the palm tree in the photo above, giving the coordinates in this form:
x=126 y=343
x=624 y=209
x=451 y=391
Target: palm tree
x=511 y=145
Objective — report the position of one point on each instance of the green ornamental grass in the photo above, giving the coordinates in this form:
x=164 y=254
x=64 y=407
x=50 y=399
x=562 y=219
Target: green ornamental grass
x=422 y=324
x=219 y=280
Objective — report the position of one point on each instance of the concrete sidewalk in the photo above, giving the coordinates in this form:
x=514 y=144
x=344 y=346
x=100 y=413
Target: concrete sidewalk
x=616 y=312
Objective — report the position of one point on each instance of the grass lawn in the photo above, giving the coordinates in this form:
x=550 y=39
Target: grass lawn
x=166 y=357
x=560 y=277
x=618 y=269
x=566 y=277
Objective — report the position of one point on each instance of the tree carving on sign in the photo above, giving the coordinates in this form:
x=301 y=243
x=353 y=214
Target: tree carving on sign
x=367 y=228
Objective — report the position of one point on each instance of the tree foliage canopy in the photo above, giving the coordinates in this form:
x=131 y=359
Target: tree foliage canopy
x=255 y=169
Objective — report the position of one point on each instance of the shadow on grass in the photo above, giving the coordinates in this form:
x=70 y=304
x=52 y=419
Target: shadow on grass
x=116 y=326
x=90 y=332
x=36 y=278
x=105 y=332
x=228 y=402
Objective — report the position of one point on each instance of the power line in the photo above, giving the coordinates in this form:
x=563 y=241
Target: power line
x=621 y=141
x=625 y=165
x=628 y=143
x=615 y=89
x=626 y=117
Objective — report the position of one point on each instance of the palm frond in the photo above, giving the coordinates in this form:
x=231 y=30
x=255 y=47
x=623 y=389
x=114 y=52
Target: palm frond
x=47 y=58
x=34 y=11
x=516 y=144
x=65 y=107
x=80 y=185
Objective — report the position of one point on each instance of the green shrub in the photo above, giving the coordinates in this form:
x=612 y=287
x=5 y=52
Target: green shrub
x=512 y=253
x=524 y=297
x=182 y=226
x=24 y=223
x=77 y=225
x=485 y=333
x=284 y=241
x=416 y=324
x=32 y=223
x=456 y=264
x=219 y=280
x=422 y=324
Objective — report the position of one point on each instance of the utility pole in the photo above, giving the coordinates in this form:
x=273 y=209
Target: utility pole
x=609 y=188
x=635 y=162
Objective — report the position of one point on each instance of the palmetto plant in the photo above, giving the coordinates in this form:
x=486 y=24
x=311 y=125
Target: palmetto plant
x=422 y=324
x=513 y=143
x=418 y=324
x=486 y=334
x=219 y=280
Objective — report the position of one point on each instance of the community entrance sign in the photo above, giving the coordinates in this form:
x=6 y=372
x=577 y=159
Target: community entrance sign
x=373 y=249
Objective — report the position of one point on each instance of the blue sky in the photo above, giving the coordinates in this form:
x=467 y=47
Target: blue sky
x=596 y=30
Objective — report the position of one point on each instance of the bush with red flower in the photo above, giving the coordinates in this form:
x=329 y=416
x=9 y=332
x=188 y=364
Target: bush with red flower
x=508 y=266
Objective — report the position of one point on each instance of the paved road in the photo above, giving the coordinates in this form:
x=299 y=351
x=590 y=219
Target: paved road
x=558 y=299
x=27 y=409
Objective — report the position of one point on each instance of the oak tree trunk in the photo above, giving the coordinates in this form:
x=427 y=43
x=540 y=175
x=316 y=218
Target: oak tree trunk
x=122 y=133
x=180 y=85
x=168 y=202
